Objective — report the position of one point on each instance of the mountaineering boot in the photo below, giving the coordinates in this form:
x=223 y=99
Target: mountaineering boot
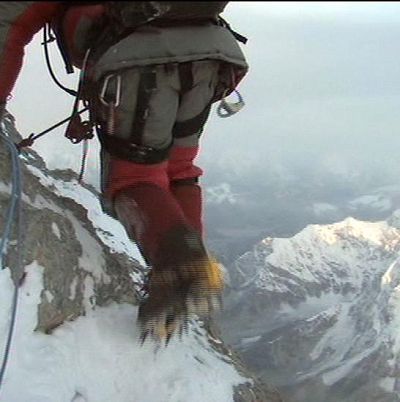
x=184 y=280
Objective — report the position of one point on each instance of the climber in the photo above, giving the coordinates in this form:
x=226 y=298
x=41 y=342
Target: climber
x=152 y=72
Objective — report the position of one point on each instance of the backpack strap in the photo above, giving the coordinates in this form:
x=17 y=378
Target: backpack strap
x=132 y=149
x=194 y=125
x=147 y=84
x=240 y=38
x=186 y=128
x=185 y=71
x=56 y=27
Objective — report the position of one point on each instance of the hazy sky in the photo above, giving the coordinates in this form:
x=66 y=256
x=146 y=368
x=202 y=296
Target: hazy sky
x=323 y=88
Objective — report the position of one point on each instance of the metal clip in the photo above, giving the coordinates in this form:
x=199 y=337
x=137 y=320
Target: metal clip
x=117 y=99
x=227 y=109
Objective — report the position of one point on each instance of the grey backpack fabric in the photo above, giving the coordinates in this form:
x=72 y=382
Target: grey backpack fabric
x=164 y=45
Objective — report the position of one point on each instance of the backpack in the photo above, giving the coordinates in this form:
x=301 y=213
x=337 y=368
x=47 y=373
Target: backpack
x=130 y=14
x=123 y=17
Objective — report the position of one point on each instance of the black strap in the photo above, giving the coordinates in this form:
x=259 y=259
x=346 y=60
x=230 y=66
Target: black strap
x=237 y=36
x=185 y=71
x=58 y=29
x=194 y=125
x=147 y=83
x=47 y=38
x=186 y=128
x=185 y=181
x=126 y=150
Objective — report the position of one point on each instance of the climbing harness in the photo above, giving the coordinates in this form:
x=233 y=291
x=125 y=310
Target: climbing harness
x=13 y=214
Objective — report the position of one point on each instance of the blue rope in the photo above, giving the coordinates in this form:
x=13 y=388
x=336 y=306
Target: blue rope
x=14 y=210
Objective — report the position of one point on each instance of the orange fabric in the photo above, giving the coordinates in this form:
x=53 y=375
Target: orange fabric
x=175 y=200
x=189 y=196
x=20 y=34
x=180 y=164
x=124 y=174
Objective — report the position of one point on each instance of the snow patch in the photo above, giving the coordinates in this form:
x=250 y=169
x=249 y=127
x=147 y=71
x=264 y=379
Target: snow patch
x=74 y=285
x=91 y=259
x=387 y=384
x=108 y=229
x=88 y=293
x=56 y=230
x=5 y=188
x=49 y=296
x=391 y=278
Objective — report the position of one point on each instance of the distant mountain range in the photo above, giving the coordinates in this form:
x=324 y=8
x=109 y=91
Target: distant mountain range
x=242 y=211
x=318 y=314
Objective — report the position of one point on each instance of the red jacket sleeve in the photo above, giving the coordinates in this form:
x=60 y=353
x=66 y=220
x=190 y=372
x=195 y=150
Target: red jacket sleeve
x=19 y=22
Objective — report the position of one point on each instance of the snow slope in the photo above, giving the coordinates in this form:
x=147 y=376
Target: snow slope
x=97 y=358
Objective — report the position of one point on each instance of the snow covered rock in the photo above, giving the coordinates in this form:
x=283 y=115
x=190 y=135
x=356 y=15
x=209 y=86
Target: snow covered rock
x=75 y=338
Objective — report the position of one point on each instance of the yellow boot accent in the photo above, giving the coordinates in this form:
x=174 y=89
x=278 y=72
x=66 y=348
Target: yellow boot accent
x=215 y=276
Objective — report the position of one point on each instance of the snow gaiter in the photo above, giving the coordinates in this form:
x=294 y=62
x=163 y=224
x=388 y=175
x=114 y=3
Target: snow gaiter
x=148 y=213
x=189 y=196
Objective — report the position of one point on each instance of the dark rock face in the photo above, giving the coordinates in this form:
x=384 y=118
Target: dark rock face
x=55 y=227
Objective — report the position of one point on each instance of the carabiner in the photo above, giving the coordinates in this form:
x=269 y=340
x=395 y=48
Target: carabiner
x=227 y=109
x=117 y=99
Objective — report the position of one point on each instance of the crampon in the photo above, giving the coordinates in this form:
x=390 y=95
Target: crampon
x=175 y=297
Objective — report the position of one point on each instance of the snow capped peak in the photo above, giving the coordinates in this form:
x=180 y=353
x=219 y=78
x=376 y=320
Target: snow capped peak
x=329 y=254
x=376 y=232
x=335 y=290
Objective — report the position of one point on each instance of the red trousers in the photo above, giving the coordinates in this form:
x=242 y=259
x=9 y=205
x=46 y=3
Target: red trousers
x=161 y=195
